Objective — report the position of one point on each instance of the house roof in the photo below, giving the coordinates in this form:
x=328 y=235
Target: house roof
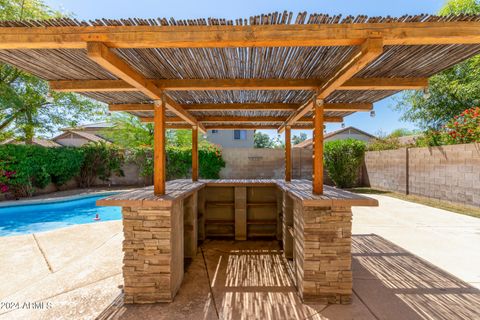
x=259 y=72
x=308 y=143
x=36 y=141
x=88 y=136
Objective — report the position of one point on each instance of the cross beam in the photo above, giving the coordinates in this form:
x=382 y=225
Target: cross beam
x=361 y=57
x=239 y=84
x=335 y=107
x=102 y=55
x=230 y=119
x=288 y=35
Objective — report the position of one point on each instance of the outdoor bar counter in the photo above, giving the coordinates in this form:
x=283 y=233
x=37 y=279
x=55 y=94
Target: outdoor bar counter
x=160 y=231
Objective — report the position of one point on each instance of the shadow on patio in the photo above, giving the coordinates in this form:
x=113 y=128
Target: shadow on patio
x=250 y=280
x=395 y=284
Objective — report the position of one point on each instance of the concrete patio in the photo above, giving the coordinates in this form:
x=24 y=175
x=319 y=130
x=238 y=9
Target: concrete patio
x=409 y=262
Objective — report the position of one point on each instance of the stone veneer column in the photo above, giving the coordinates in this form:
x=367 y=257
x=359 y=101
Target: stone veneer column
x=153 y=254
x=322 y=253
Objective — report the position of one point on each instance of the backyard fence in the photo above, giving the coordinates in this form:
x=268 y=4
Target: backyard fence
x=448 y=172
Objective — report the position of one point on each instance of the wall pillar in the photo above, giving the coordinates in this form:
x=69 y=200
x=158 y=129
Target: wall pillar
x=153 y=253
x=322 y=253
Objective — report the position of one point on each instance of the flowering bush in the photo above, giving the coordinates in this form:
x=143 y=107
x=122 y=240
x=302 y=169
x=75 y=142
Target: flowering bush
x=464 y=128
x=5 y=177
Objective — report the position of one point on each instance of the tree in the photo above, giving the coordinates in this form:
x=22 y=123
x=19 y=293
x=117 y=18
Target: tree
x=297 y=139
x=128 y=131
x=262 y=140
x=401 y=132
x=451 y=91
x=27 y=105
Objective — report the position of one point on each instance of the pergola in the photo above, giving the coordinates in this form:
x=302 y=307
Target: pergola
x=264 y=72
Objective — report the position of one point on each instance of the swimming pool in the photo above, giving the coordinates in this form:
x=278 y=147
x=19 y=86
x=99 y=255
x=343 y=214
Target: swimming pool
x=54 y=214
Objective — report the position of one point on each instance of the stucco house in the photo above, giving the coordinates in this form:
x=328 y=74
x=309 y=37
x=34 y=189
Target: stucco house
x=342 y=134
x=78 y=136
x=231 y=138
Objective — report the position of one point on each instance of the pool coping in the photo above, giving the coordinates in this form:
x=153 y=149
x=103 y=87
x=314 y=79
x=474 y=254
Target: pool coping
x=53 y=199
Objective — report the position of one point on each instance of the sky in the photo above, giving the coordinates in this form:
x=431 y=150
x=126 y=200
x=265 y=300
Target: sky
x=386 y=119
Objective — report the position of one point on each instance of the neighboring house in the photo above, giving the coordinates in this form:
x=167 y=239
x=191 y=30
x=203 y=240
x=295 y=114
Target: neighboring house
x=342 y=134
x=94 y=128
x=36 y=141
x=74 y=138
x=231 y=138
x=86 y=133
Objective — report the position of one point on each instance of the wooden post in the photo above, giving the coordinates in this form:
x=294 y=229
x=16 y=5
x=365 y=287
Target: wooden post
x=288 y=154
x=194 y=153
x=159 y=160
x=317 y=146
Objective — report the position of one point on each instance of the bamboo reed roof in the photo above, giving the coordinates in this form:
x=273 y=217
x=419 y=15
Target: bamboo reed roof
x=306 y=62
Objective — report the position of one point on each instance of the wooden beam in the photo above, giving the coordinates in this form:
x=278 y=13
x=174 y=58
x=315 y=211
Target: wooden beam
x=194 y=153
x=234 y=119
x=91 y=86
x=335 y=107
x=132 y=107
x=159 y=159
x=384 y=84
x=247 y=126
x=366 y=53
x=242 y=107
x=361 y=57
x=288 y=154
x=287 y=35
x=317 y=179
x=240 y=84
x=347 y=107
x=102 y=55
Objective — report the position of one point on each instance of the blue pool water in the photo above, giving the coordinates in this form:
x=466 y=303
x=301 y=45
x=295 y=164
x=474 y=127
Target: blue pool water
x=31 y=218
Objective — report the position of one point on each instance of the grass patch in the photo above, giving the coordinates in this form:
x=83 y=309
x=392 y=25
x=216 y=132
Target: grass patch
x=436 y=203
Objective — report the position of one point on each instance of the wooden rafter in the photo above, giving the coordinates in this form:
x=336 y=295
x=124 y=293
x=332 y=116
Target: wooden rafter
x=345 y=34
x=337 y=107
x=361 y=57
x=234 y=119
x=253 y=127
x=102 y=55
x=240 y=84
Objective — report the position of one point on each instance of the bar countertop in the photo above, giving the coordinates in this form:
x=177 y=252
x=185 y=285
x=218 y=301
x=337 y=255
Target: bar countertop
x=179 y=189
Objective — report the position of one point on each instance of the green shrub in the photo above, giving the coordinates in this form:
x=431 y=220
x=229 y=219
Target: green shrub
x=179 y=161
x=210 y=160
x=142 y=157
x=388 y=143
x=101 y=160
x=343 y=159
x=26 y=167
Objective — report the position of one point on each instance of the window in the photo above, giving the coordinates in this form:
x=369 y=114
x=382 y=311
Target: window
x=214 y=131
x=240 y=134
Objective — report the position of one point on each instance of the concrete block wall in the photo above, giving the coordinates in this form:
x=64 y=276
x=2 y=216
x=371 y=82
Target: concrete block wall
x=449 y=173
x=252 y=163
x=386 y=170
